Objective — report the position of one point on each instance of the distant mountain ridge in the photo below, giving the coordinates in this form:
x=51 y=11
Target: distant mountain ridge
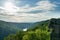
x=18 y=25
x=7 y=28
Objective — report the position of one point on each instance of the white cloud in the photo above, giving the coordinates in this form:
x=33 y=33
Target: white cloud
x=45 y=5
x=41 y=5
x=26 y=16
x=1 y=8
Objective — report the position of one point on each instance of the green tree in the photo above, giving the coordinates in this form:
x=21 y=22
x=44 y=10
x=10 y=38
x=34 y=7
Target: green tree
x=40 y=32
x=10 y=37
x=30 y=36
x=42 y=35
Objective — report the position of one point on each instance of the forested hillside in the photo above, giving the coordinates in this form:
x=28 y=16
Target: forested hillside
x=37 y=32
x=7 y=28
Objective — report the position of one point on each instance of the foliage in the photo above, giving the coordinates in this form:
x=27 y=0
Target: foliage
x=40 y=32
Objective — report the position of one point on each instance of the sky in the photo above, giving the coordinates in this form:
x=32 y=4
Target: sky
x=29 y=10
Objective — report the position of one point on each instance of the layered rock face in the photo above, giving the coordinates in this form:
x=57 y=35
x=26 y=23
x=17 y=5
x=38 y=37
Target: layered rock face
x=55 y=26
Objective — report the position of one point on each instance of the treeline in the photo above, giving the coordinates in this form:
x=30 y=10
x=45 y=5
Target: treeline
x=40 y=32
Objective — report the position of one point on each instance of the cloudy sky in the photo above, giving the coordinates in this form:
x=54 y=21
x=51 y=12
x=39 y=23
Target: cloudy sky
x=29 y=10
